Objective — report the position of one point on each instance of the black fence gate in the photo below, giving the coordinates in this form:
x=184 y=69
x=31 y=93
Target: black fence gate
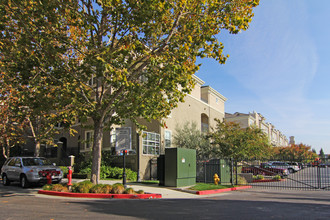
x=283 y=174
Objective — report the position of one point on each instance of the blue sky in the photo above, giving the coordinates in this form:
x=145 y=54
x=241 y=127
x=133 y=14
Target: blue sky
x=280 y=68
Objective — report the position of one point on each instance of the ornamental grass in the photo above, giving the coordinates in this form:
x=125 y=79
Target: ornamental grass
x=89 y=187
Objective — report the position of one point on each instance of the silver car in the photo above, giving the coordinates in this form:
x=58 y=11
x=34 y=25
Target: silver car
x=27 y=170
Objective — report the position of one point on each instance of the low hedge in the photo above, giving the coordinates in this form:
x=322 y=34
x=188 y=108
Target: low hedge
x=88 y=187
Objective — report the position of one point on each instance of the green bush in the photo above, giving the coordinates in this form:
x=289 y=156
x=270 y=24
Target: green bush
x=59 y=188
x=65 y=171
x=240 y=180
x=86 y=170
x=82 y=187
x=117 y=173
x=129 y=191
x=277 y=177
x=140 y=192
x=101 y=188
x=47 y=187
x=118 y=188
x=259 y=177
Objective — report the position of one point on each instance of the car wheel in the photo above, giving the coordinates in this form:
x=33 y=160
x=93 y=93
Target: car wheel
x=24 y=182
x=5 y=180
x=291 y=170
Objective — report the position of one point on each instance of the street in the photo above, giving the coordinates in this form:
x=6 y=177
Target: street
x=17 y=203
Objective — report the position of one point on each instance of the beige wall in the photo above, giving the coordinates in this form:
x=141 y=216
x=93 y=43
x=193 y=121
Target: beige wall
x=275 y=137
x=189 y=111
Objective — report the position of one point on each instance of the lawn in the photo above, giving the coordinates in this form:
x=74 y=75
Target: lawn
x=208 y=186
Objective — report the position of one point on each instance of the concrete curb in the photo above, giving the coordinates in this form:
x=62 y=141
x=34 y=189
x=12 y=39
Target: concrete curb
x=214 y=191
x=101 y=195
x=266 y=181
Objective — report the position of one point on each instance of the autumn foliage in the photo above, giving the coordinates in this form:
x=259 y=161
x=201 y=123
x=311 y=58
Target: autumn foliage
x=110 y=60
x=294 y=152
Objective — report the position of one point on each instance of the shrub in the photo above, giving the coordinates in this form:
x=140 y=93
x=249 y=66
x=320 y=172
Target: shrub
x=117 y=173
x=82 y=187
x=86 y=170
x=260 y=177
x=118 y=188
x=59 y=188
x=101 y=188
x=129 y=191
x=65 y=171
x=240 y=180
x=47 y=187
x=107 y=188
x=140 y=192
x=277 y=177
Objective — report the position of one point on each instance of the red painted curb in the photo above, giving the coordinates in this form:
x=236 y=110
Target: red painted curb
x=213 y=191
x=101 y=195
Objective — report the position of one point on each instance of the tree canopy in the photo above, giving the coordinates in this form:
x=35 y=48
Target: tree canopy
x=294 y=152
x=232 y=141
x=113 y=59
x=190 y=136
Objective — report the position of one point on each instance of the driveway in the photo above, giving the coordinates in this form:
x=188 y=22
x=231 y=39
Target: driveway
x=17 y=203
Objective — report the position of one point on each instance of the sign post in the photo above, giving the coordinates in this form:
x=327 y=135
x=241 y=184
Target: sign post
x=124 y=172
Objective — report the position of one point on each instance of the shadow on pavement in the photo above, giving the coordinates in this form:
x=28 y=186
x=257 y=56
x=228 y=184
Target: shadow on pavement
x=207 y=209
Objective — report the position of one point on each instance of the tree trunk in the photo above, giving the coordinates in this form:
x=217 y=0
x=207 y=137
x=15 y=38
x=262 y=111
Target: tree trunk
x=37 y=149
x=97 y=149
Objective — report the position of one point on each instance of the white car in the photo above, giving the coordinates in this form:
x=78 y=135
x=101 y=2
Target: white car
x=28 y=170
x=291 y=168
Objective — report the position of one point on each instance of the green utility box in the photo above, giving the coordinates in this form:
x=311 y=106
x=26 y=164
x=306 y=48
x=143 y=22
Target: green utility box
x=180 y=167
x=225 y=171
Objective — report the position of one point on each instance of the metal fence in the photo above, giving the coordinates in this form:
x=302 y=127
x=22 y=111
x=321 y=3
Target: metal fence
x=282 y=174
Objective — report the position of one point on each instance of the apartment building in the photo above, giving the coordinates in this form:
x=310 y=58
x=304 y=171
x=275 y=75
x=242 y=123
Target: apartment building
x=276 y=138
x=201 y=106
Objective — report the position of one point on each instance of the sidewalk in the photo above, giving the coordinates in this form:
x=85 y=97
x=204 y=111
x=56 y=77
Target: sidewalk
x=166 y=192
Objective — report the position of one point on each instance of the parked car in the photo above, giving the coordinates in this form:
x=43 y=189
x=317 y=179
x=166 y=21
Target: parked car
x=27 y=170
x=323 y=165
x=280 y=164
x=265 y=169
x=295 y=166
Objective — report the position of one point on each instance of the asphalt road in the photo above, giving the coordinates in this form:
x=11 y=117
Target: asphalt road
x=17 y=203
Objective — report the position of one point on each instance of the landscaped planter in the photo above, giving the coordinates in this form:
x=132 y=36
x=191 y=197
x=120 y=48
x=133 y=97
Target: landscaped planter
x=101 y=195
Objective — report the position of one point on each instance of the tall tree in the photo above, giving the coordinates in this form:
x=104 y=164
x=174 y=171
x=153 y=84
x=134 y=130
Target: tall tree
x=190 y=136
x=33 y=54
x=294 y=152
x=123 y=59
x=11 y=125
x=321 y=154
x=229 y=140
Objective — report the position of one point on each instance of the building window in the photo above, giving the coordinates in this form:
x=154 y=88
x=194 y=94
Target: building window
x=168 y=138
x=113 y=138
x=88 y=139
x=151 y=143
x=204 y=123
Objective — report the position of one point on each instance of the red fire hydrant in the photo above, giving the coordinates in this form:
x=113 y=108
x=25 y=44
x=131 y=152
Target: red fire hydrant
x=49 y=178
x=69 y=176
